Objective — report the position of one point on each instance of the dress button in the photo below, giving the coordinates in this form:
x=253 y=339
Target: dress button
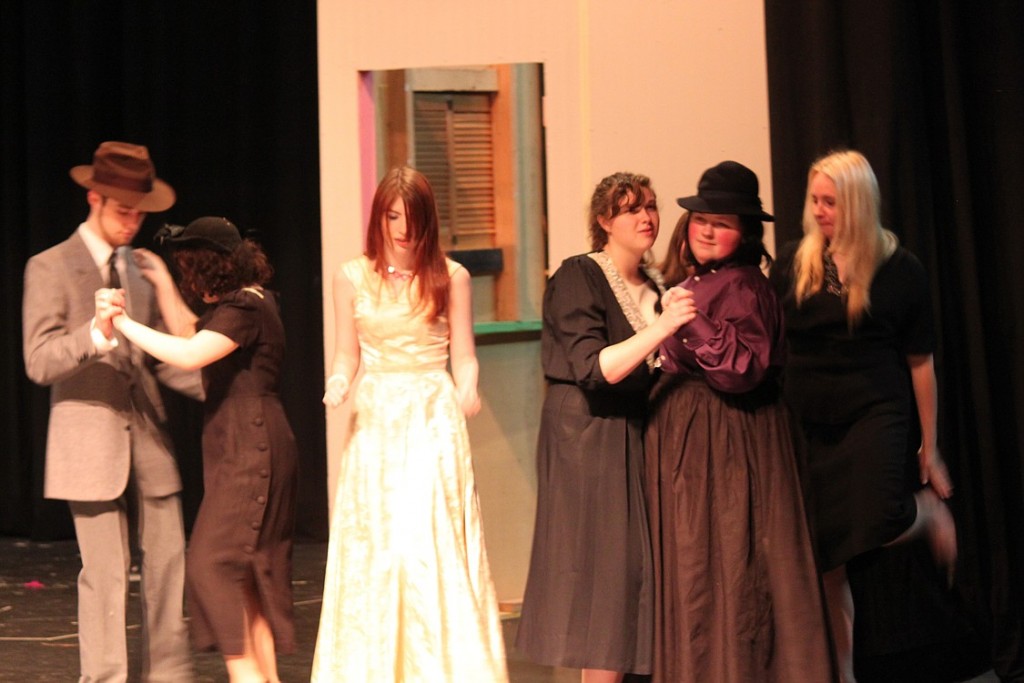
x=261 y=499
x=248 y=548
x=685 y=340
x=255 y=526
x=258 y=422
x=696 y=278
x=261 y=446
x=264 y=473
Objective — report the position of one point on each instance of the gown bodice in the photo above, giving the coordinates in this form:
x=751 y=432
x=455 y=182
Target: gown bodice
x=393 y=337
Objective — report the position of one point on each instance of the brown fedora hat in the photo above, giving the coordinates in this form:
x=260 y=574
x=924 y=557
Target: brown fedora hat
x=125 y=172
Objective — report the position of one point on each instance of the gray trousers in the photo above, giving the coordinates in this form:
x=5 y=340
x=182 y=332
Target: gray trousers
x=102 y=530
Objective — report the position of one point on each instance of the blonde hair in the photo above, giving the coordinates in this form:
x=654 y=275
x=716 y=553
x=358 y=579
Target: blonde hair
x=857 y=233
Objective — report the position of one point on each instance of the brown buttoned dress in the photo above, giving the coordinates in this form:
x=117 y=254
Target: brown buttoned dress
x=242 y=537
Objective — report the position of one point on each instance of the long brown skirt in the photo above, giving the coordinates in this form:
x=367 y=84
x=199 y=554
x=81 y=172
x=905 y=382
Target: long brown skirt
x=738 y=596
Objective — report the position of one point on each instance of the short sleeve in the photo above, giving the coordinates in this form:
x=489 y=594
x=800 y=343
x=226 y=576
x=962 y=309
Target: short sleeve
x=919 y=327
x=236 y=317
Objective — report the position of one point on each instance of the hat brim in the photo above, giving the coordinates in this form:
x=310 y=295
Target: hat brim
x=725 y=206
x=160 y=198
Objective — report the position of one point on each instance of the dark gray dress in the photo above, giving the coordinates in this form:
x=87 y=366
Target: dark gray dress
x=589 y=594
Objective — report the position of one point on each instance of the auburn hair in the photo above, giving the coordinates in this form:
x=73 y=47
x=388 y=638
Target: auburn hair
x=429 y=268
x=674 y=268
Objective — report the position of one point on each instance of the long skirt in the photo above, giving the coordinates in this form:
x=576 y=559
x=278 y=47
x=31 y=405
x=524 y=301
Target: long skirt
x=738 y=595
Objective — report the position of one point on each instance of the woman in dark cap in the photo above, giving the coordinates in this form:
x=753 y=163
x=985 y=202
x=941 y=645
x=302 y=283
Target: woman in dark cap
x=238 y=571
x=738 y=596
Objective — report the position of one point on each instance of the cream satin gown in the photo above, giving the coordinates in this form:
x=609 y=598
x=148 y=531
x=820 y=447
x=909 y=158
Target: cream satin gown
x=408 y=593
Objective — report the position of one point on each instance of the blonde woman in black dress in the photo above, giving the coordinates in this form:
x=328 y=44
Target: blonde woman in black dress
x=860 y=372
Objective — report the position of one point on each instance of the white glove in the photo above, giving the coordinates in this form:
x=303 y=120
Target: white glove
x=336 y=390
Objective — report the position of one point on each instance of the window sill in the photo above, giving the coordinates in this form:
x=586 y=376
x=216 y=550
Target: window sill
x=506 y=331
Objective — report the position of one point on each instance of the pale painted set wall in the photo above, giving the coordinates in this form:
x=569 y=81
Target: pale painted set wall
x=661 y=87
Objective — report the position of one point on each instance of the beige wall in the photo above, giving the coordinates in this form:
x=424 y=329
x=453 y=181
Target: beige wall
x=662 y=87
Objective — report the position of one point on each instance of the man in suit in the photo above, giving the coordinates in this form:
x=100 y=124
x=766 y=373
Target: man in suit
x=108 y=452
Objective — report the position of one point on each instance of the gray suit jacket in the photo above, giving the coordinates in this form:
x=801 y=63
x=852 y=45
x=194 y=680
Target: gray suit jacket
x=106 y=414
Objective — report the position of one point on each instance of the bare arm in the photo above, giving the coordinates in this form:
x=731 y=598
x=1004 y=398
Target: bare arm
x=618 y=360
x=465 y=368
x=346 y=342
x=176 y=314
x=189 y=353
x=926 y=394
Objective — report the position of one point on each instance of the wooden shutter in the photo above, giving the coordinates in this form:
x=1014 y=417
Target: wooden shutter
x=454 y=148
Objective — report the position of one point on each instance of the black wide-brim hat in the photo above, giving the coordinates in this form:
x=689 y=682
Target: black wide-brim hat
x=212 y=232
x=125 y=172
x=728 y=188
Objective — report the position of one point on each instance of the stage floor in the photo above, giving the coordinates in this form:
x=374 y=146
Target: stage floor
x=38 y=622
x=38 y=637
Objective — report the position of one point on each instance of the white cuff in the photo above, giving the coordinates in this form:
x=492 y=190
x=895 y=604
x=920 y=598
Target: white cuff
x=99 y=340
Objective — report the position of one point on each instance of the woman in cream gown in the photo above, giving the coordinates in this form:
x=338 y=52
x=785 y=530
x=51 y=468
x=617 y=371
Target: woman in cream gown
x=408 y=593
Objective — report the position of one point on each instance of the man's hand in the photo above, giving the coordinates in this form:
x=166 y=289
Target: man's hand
x=109 y=305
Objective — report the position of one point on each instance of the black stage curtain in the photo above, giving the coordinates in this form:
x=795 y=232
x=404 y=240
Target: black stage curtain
x=224 y=94
x=931 y=92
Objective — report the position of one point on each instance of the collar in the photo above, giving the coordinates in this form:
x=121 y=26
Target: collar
x=98 y=248
x=710 y=266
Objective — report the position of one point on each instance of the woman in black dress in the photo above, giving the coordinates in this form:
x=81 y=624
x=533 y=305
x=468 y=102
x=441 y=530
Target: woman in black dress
x=859 y=373
x=238 y=571
x=589 y=594
x=738 y=594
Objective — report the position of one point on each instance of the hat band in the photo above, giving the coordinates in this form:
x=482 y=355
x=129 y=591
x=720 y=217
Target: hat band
x=144 y=185
x=724 y=196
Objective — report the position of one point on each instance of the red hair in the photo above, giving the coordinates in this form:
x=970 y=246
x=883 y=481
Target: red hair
x=429 y=269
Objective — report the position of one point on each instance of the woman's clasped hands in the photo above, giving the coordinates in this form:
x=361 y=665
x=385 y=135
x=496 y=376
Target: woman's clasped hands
x=677 y=308
x=110 y=307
